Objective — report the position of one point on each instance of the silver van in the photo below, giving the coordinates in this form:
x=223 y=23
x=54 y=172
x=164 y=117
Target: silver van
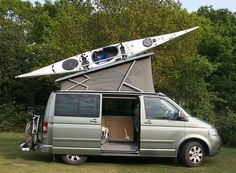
x=78 y=124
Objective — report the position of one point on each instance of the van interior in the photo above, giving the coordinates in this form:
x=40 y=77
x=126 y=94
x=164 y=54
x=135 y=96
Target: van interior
x=120 y=124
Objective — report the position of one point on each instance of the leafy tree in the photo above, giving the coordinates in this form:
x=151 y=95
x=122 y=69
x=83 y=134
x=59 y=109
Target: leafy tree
x=13 y=43
x=218 y=44
x=64 y=30
x=16 y=95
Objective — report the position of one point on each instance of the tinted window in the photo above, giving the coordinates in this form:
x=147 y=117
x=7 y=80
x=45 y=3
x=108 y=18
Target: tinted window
x=157 y=108
x=77 y=105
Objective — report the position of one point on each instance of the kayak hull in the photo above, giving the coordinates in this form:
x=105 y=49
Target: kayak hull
x=105 y=55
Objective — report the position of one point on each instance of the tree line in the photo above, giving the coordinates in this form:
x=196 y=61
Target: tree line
x=197 y=70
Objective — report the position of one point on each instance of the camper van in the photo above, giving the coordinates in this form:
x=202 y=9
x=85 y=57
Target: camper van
x=78 y=124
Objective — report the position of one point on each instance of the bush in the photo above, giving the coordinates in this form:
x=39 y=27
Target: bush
x=12 y=118
x=226 y=125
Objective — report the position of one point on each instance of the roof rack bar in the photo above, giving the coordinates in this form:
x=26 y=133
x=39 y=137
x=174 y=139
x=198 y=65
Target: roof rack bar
x=133 y=87
x=126 y=75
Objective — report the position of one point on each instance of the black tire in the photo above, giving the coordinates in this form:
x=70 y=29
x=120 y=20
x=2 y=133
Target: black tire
x=74 y=159
x=193 y=154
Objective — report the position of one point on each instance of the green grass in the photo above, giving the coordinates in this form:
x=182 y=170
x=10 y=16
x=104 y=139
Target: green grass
x=12 y=160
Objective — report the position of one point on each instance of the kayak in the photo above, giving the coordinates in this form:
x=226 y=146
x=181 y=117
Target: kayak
x=105 y=55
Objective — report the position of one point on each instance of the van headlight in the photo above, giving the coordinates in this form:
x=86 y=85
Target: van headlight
x=212 y=132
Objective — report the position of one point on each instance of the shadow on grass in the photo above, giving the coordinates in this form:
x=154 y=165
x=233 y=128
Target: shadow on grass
x=132 y=160
x=10 y=150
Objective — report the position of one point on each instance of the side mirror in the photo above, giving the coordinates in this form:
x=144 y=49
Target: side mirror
x=181 y=116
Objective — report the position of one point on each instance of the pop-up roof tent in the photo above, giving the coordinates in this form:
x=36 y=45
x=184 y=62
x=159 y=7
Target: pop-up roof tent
x=133 y=74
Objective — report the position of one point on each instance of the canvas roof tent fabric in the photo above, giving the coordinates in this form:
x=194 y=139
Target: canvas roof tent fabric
x=133 y=74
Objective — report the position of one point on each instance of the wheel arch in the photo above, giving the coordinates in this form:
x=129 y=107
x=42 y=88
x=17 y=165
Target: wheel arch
x=193 y=139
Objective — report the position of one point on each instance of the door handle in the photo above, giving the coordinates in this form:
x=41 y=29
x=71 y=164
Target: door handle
x=93 y=121
x=148 y=122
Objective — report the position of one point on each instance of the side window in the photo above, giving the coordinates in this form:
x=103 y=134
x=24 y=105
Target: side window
x=77 y=105
x=157 y=108
x=118 y=107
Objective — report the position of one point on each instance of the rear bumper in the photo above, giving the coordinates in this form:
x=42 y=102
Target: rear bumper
x=44 y=148
x=39 y=147
x=215 y=145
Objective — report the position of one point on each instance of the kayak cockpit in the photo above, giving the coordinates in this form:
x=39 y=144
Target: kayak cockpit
x=105 y=54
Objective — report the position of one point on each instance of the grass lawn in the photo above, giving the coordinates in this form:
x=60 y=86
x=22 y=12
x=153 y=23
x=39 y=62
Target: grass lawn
x=12 y=160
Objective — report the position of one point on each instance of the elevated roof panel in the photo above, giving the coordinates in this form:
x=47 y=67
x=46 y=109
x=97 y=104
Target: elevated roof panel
x=142 y=56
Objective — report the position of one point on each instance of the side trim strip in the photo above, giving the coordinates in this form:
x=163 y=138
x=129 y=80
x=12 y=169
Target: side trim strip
x=152 y=149
x=77 y=139
x=75 y=148
x=157 y=141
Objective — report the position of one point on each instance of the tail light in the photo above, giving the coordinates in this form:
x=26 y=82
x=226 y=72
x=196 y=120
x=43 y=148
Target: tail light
x=45 y=128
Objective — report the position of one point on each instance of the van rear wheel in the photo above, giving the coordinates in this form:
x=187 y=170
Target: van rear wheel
x=74 y=159
x=193 y=154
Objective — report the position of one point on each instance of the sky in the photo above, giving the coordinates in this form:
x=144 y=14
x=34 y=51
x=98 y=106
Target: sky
x=193 y=5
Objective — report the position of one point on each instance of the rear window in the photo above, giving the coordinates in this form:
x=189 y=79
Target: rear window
x=77 y=105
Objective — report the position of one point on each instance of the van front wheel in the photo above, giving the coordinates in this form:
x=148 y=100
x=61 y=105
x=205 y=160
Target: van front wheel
x=193 y=154
x=74 y=159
